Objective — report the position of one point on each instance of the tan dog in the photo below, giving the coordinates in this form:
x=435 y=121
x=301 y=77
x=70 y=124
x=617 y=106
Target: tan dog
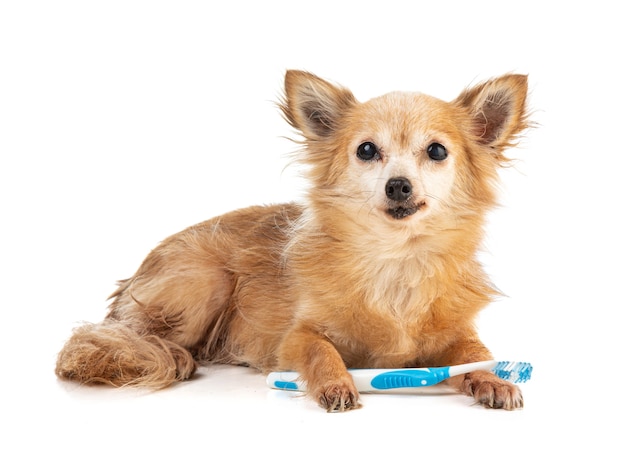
x=376 y=269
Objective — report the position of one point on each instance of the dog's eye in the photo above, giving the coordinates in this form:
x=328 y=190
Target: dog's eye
x=367 y=151
x=437 y=151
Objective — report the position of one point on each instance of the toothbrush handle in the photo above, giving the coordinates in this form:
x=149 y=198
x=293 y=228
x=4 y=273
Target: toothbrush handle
x=370 y=379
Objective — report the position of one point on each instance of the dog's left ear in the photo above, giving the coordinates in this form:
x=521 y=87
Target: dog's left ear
x=498 y=110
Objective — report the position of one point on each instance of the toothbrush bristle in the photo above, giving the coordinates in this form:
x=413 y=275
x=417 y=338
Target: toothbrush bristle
x=516 y=372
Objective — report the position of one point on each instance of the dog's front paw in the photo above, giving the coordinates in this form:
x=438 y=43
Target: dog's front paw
x=338 y=396
x=491 y=391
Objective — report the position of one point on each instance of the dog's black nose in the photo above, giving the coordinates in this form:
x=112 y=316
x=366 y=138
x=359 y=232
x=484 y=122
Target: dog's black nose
x=398 y=189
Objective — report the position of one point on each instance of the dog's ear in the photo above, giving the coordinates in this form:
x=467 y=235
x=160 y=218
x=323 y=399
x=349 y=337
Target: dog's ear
x=498 y=110
x=313 y=105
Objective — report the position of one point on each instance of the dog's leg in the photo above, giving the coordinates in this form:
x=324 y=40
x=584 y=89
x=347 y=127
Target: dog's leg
x=485 y=387
x=322 y=368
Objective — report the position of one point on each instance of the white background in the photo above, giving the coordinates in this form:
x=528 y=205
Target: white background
x=122 y=122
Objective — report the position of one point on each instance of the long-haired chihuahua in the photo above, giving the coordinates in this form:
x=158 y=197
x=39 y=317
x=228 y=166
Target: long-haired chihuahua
x=376 y=268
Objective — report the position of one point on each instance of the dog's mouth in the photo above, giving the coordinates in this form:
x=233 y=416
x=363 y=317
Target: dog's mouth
x=404 y=210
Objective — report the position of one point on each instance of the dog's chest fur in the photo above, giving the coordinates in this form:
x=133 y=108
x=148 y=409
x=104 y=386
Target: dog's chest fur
x=385 y=314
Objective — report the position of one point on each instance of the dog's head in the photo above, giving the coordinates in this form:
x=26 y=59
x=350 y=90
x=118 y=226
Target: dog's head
x=404 y=159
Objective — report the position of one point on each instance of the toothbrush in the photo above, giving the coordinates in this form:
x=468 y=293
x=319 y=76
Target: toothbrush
x=368 y=380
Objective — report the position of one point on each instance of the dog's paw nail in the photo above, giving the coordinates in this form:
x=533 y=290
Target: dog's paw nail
x=337 y=399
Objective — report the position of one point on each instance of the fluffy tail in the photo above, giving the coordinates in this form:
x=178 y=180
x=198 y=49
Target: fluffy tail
x=112 y=353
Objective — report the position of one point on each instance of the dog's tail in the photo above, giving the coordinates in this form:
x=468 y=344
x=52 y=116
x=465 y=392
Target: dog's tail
x=113 y=353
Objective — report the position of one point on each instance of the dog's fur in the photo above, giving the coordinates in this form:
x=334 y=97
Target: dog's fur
x=365 y=273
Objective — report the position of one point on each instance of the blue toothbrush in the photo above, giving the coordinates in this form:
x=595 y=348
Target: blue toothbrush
x=368 y=380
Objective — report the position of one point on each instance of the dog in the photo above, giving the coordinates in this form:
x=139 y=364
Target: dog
x=375 y=268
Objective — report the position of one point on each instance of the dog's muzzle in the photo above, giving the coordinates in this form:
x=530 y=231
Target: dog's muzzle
x=399 y=193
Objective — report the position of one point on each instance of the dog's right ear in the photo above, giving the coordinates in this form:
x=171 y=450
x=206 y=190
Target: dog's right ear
x=313 y=105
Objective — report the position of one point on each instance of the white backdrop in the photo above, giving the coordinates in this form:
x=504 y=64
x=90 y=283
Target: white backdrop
x=122 y=122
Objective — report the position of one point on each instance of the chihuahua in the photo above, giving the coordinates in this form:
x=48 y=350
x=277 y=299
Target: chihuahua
x=375 y=268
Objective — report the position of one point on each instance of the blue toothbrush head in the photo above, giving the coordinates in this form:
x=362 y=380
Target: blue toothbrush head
x=513 y=371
